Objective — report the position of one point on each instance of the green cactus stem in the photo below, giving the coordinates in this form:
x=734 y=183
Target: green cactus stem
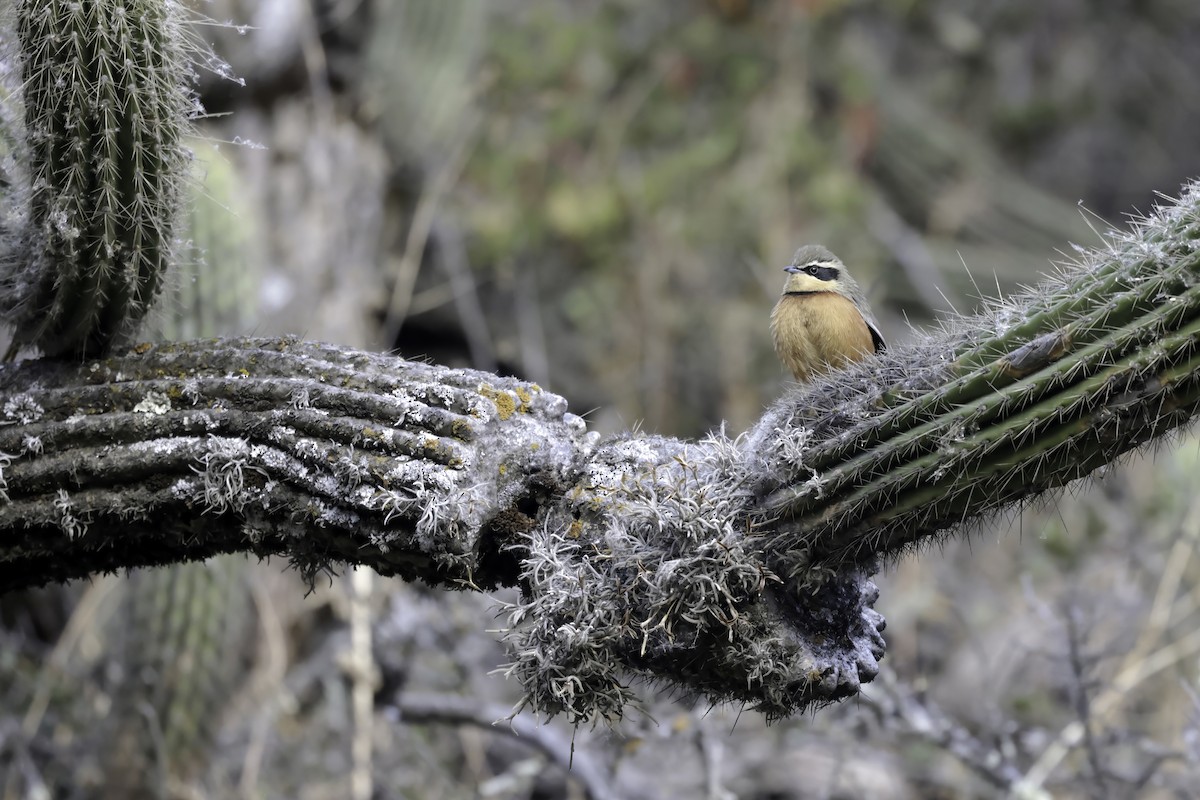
x=737 y=568
x=1044 y=390
x=104 y=88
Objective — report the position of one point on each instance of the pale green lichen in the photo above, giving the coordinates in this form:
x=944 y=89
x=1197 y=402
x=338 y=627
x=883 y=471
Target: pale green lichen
x=153 y=403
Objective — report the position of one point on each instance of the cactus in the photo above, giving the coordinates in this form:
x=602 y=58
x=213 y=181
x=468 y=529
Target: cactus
x=104 y=91
x=185 y=632
x=215 y=283
x=1042 y=390
x=739 y=568
x=638 y=554
x=184 y=649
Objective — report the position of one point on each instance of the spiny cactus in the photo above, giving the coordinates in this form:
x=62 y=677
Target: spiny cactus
x=738 y=568
x=104 y=90
x=419 y=59
x=1037 y=392
x=418 y=460
x=213 y=289
x=182 y=639
x=185 y=632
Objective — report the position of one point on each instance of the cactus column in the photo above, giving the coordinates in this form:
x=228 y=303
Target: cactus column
x=1037 y=393
x=105 y=105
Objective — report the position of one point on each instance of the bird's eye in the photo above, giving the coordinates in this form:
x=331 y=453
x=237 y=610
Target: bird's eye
x=812 y=269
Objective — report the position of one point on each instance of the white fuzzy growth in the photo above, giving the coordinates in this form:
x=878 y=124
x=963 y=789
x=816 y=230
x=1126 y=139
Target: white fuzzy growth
x=22 y=409
x=670 y=522
x=153 y=403
x=6 y=460
x=791 y=445
x=71 y=525
x=224 y=475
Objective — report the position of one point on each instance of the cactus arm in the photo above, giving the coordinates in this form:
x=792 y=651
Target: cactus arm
x=106 y=105
x=1027 y=398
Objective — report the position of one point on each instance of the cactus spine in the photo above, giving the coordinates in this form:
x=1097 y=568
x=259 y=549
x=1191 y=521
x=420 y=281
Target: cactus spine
x=105 y=107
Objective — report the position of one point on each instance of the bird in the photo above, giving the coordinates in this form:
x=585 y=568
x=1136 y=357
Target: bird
x=822 y=321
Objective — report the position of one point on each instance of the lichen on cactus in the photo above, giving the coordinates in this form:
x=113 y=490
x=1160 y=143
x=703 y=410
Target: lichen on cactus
x=646 y=570
x=88 y=229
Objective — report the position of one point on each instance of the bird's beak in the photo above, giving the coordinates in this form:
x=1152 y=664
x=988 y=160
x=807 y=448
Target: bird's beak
x=791 y=269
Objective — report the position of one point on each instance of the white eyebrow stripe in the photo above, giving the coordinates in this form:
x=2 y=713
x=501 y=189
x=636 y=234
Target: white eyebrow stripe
x=830 y=264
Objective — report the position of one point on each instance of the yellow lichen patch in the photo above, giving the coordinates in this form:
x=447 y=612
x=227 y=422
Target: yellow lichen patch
x=505 y=405
x=142 y=348
x=576 y=529
x=504 y=469
x=526 y=397
x=461 y=429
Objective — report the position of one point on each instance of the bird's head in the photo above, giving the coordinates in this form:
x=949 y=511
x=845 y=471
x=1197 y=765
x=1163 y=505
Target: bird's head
x=815 y=269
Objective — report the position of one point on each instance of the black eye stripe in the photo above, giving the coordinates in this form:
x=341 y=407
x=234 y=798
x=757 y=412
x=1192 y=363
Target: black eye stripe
x=822 y=273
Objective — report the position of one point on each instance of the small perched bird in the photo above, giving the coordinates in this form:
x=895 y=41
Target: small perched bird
x=822 y=321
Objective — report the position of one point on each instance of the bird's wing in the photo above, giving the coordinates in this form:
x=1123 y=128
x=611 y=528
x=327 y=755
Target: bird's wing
x=876 y=336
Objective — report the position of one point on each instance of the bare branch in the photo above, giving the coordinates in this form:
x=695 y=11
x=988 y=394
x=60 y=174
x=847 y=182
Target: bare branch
x=438 y=709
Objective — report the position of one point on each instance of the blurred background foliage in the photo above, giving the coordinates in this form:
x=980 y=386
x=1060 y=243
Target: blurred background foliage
x=599 y=196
